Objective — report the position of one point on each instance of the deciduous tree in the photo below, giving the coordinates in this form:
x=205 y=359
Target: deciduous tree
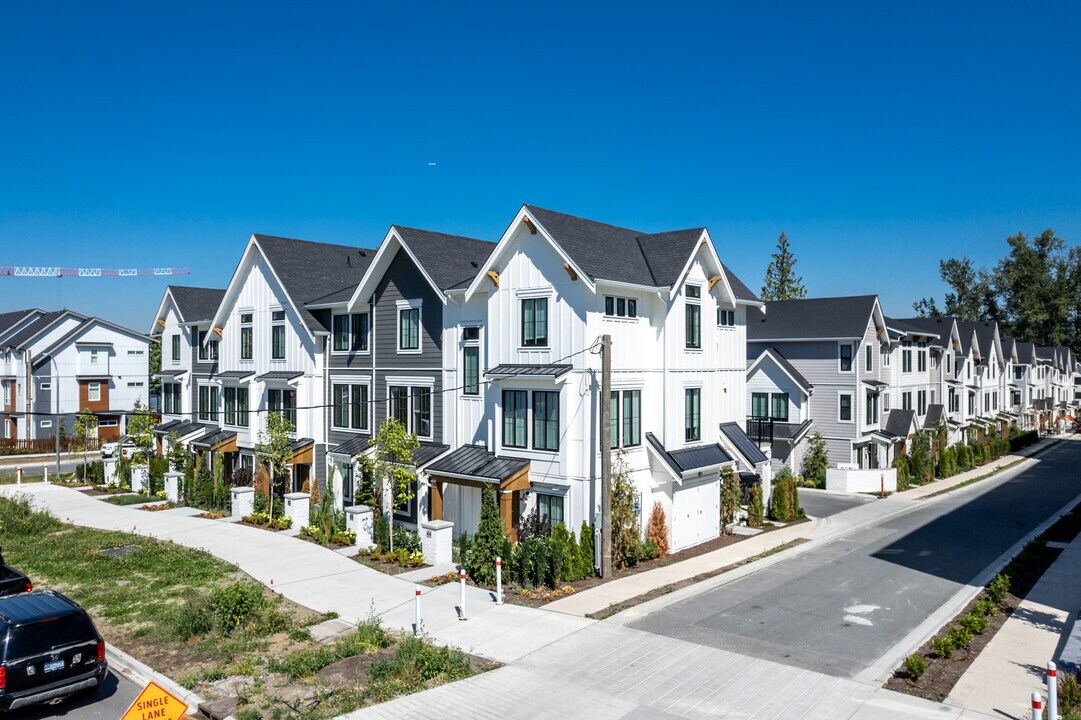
x=391 y=463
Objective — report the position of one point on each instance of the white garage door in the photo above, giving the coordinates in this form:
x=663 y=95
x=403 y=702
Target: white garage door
x=696 y=513
x=461 y=506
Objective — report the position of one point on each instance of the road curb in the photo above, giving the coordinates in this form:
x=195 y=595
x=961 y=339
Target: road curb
x=142 y=674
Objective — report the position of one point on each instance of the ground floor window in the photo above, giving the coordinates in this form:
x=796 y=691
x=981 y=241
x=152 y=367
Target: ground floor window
x=551 y=507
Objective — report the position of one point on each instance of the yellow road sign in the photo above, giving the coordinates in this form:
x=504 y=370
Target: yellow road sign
x=156 y=703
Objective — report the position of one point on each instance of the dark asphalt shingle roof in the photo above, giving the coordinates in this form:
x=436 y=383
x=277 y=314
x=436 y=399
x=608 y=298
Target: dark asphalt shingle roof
x=941 y=326
x=78 y=330
x=743 y=444
x=610 y=252
x=899 y=423
x=39 y=325
x=312 y=271
x=839 y=317
x=9 y=319
x=910 y=328
x=515 y=369
x=985 y=336
x=451 y=261
x=934 y=413
x=196 y=304
x=477 y=462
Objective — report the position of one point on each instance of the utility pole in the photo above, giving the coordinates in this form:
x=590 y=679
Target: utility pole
x=606 y=456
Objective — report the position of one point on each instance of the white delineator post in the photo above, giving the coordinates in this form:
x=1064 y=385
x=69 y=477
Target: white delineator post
x=416 y=612
x=18 y=476
x=1052 y=691
x=461 y=578
x=46 y=469
x=1037 y=707
x=498 y=580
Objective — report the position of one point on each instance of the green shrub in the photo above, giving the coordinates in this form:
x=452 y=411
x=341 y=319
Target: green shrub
x=646 y=551
x=997 y=588
x=19 y=517
x=960 y=637
x=158 y=467
x=755 y=511
x=488 y=542
x=368 y=637
x=943 y=646
x=784 y=504
x=417 y=661
x=985 y=607
x=730 y=498
x=532 y=563
x=381 y=533
x=234 y=604
x=588 y=566
x=915 y=666
x=406 y=539
x=95 y=472
x=975 y=622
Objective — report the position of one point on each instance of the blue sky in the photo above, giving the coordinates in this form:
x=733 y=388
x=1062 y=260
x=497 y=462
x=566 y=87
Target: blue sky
x=880 y=136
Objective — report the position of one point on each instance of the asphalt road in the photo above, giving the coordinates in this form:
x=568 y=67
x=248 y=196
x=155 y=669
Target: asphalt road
x=66 y=466
x=820 y=504
x=108 y=702
x=840 y=607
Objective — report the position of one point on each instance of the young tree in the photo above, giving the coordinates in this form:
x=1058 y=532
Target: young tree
x=781 y=281
x=625 y=527
x=176 y=454
x=487 y=543
x=275 y=449
x=154 y=367
x=141 y=431
x=392 y=463
x=817 y=461
x=731 y=498
x=86 y=427
x=657 y=533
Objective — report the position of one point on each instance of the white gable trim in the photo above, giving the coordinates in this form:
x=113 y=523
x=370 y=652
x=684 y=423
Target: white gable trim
x=711 y=253
x=162 y=311
x=753 y=368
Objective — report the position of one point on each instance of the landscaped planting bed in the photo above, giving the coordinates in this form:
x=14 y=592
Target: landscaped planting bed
x=214 y=629
x=932 y=671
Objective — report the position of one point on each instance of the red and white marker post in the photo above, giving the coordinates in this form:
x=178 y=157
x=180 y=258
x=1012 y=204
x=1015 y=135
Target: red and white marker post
x=498 y=580
x=461 y=577
x=1052 y=691
x=1037 y=707
x=416 y=612
x=18 y=476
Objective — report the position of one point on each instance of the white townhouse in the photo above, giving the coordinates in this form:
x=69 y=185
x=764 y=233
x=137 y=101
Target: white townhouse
x=57 y=364
x=914 y=370
x=264 y=350
x=1055 y=382
x=182 y=321
x=553 y=286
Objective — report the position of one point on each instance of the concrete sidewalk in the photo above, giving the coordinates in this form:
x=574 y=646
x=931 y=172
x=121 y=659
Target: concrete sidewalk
x=1011 y=667
x=594 y=669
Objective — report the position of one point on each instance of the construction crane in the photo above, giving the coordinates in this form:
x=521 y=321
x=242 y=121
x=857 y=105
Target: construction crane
x=88 y=272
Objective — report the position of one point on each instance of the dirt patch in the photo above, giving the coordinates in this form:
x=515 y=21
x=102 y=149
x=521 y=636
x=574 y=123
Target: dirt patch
x=353 y=670
x=389 y=568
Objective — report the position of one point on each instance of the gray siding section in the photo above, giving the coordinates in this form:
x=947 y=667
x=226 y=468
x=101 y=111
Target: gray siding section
x=403 y=281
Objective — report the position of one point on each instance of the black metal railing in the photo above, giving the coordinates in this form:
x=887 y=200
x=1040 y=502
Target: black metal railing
x=760 y=429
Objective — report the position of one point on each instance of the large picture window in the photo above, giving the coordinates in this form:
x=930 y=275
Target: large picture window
x=692 y=414
x=545 y=420
x=535 y=322
x=514 y=418
x=409 y=329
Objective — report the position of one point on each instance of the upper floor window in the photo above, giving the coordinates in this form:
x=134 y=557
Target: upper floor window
x=175 y=341
x=759 y=404
x=872 y=408
x=46 y=386
x=471 y=361
x=545 y=420
x=284 y=401
x=398 y=404
x=361 y=323
x=921 y=360
x=93 y=357
x=693 y=318
x=246 y=336
x=632 y=418
x=409 y=329
x=620 y=307
x=412 y=407
x=870 y=358
x=208 y=402
x=340 y=333
x=692 y=414
x=921 y=403
x=885 y=357
x=906 y=401
x=949 y=362
x=906 y=357
x=514 y=418
x=844 y=407
x=779 y=406
x=277 y=335
x=726 y=318
x=846 y=358
x=236 y=406
x=535 y=322
x=134 y=353
x=170 y=399
x=93 y=391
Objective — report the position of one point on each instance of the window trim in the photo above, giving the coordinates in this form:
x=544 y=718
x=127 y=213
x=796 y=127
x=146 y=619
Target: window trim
x=688 y=393
x=535 y=420
x=840 y=406
x=402 y=350
x=692 y=307
x=547 y=339
x=851 y=358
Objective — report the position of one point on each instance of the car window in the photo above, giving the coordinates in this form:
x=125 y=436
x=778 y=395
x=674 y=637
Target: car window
x=42 y=637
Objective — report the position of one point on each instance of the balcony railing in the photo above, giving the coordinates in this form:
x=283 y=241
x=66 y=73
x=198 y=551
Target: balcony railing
x=760 y=430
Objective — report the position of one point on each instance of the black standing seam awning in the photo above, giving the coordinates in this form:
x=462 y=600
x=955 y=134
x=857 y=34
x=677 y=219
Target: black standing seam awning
x=233 y=374
x=475 y=462
x=688 y=460
x=743 y=444
x=525 y=370
x=280 y=375
x=213 y=438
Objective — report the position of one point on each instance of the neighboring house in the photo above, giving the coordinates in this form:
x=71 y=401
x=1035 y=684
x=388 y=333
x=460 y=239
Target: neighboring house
x=944 y=391
x=841 y=349
x=183 y=316
x=1056 y=383
x=779 y=393
x=990 y=379
x=553 y=286
x=57 y=364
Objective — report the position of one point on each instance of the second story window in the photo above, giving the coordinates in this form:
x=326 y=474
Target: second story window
x=906 y=401
x=208 y=402
x=759 y=405
x=884 y=357
x=906 y=356
x=620 y=307
x=726 y=318
x=203 y=345
x=779 y=407
x=846 y=358
x=545 y=420
x=398 y=407
x=422 y=412
x=870 y=358
x=692 y=414
x=170 y=398
x=409 y=329
x=692 y=309
x=844 y=407
x=245 y=336
x=535 y=322
x=921 y=403
x=175 y=341
x=361 y=324
x=514 y=418
x=872 y=408
x=283 y=401
x=471 y=361
x=277 y=335
x=340 y=331
x=93 y=391
x=236 y=406
x=921 y=359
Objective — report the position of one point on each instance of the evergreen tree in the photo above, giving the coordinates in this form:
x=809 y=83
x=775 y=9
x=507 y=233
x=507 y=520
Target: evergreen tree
x=487 y=543
x=817 y=461
x=625 y=528
x=730 y=498
x=86 y=426
x=781 y=282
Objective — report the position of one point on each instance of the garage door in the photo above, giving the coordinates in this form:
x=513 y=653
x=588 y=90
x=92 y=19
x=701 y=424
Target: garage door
x=461 y=506
x=696 y=513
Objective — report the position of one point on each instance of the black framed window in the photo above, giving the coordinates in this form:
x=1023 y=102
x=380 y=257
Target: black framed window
x=340 y=414
x=906 y=401
x=171 y=404
x=208 y=402
x=409 y=329
x=779 y=406
x=399 y=404
x=726 y=318
x=921 y=402
x=870 y=359
x=340 y=332
x=694 y=291
x=277 y=335
x=361 y=326
x=551 y=507
x=176 y=348
x=422 y=412
x=620 y=307
x=846 y=358
x=514 y=418
x=613 y=420
x=471 y=370
x=358 y=407
x=692 y=414
x=545 y=420
x=759 y=405
x=844 y=411
x=284 y=402
x=204 y=346
x=872 y=408
x=230 y=405
x=535 y=322
x=693 y=326
x=632 y=418
x=245 y=336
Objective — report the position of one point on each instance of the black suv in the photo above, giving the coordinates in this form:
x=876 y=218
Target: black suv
x=49 y=648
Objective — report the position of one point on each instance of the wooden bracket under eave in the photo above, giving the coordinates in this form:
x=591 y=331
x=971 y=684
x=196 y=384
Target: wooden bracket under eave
x=218 y=330
x=494 y=277
x=714 y=280
x=570 y=271
x=161 y=322
x=530 y=225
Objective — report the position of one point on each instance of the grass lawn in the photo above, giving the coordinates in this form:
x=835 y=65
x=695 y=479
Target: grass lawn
x=213 y=629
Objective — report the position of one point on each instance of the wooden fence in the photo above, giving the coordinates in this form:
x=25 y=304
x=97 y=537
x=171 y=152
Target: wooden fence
x=11 y=446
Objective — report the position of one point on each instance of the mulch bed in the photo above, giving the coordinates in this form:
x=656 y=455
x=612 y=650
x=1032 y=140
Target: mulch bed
x=941 y=674
x=388 y=568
